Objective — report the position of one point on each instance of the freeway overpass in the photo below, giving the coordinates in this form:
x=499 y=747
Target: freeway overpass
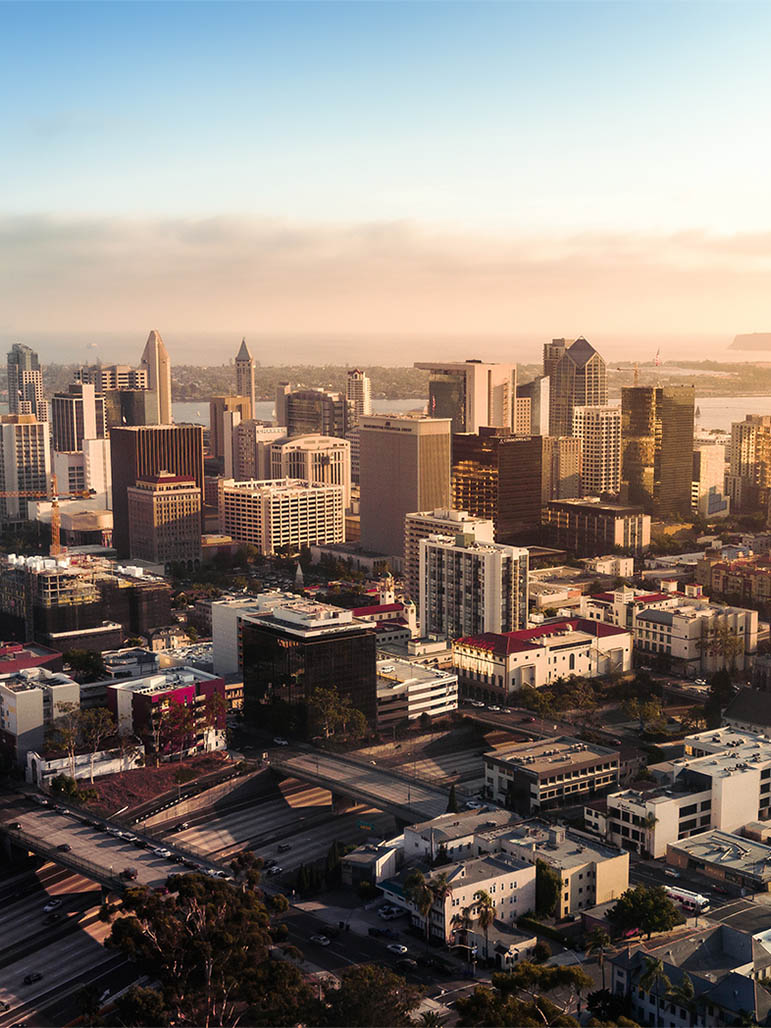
x=388 y=790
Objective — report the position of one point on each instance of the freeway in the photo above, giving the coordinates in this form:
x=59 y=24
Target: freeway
x=386 y=790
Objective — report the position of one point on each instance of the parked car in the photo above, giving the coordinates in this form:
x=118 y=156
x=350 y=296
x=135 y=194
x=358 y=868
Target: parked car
x=396 y=947
x=129 y=873
x=160 y=852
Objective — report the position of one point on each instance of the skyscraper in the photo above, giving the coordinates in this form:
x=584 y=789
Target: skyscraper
x=76 y=415
x=537 y=392
x=25 y=462
x=749 y=471
x=578 y=378
x=472 y=394
x=155 y=359
x=359 y=394
x=311 y=411
x=657 y=448
x=165 y=519
x=25 y=383
x=599 y=430
x=405 y=466
x=245 y=376
x=143 y=452
x=315 y=458
x=218 y=407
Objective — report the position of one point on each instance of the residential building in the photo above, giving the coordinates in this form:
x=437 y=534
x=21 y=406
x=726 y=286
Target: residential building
x=708 y=496
x=537 y=392
x=469 y=587
x=406 y=690
x=144 y=707
x=359 y=395
x=155 y=360
x=599 y=430
x=282 y=512
x=219 y=406
x=245 y=376
x=25 y=383
x=588 y=525
x=31 y=700
x=311 y=411
x=76 y=415
x=749 y=473
x=300 y=646
x=251 y=450
x=113 y=376
x=618 y=567
x=164 y=513
x=25 y=463
x=404 y=467
x=322 y=459
x=493 y=666
x=745 y=578
x=472 y=394
x=657 y=448
x=548 y=773
x=578 y=378
x=442 y=521
x=453 y=835
x=141 y=452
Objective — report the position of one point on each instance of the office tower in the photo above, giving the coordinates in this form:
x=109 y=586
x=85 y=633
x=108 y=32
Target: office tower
x=298 y=647
x=587 y=526
x=359 y=394
x=311 y=411
x=251 y=443
x=165 y=519
x=25 y=463
x=561 y=467
x=112 y=376
x=405 y=466
x=657 y=448
x=749 y=472
x=537 y=392
x=578 y=378
x=315 y=458
x=155 y=360
x=97 y=470
x=708 y=497
x=245 y=377
x=599 y=429
x=126 y=407
x=76 y=415
x=140 y=452
x=25 y=383
x=442 y=521
x=218 y=407
x=281 y=512
x=472 y=394
x=469 y=587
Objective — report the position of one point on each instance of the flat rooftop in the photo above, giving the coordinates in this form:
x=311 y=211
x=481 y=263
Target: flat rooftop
x=395 y=671
x=447 y=827
x=551 y=755
x=732 y=852
x=560 y=847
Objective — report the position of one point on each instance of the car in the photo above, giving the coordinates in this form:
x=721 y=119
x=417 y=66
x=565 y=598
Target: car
x=276 y=870
x=280 y=741
x=41 y=800
x=396 y=947
x=141 y=844
x=505 y=710
x=53 y=904
x=187 y=862
x=64 y=847
x=615 y=742
x=529 y=720
x=474 y=804
x=129 y=873
x=131 y=838
x=373 y=763
x=493 y=706
x=699 y=681
x=407 y=964
x=320 y=940
x=182 y=826
x=15 y=825
x=30 y=979
x=284 y=847
x=670 y=873
x=161 y=852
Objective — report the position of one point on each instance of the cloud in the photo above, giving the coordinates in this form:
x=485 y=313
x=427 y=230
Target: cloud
x=232 y=274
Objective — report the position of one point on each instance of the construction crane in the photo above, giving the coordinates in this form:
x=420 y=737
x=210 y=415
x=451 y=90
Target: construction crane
x=52 y=493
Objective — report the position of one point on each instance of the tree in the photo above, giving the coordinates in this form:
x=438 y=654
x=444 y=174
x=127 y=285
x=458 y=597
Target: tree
x=85 y=665
x=597 y=942
x=141 y=1008
x=370 y=996
x=726 y=644
x=683 y=994
x=485 y=911
x=430 y=1019
x=541 y=952
x=96 y=725
x=520 y=997
x=649 y=823
x=646 y=909
x=174 y=726
x=65 y=731
x=654 y=980
x=418 y=891
x=452 y=801
x=548 y=889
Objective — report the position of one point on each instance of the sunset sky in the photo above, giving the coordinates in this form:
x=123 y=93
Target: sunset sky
x=413 y=168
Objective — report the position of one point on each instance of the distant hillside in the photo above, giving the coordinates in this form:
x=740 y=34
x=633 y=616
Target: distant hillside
x=752 y=341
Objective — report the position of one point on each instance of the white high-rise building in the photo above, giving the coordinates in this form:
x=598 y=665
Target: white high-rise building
x=25 y=462
x=25 y=383
x=472 y=394
x=599 y=429
x=155 y=359
x=315 y=458
x=359 y=394
x=281 y=512
x=468 y=587
x=442 y=521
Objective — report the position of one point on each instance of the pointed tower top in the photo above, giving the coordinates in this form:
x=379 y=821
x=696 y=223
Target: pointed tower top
x=154 y=341
x=243 y=354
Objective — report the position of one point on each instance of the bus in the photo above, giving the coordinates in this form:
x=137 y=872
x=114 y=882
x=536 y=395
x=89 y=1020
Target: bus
x=693 y=902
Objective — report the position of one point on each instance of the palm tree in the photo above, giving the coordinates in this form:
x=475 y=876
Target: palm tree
x=598 y=942
x=684 y=995
x=418 y=892
x=654 y=979
x=485 y=908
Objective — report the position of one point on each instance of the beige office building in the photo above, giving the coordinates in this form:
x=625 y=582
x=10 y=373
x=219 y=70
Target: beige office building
x=281 y=512
x=164 y=513
x=599 y=430
x=316 y=458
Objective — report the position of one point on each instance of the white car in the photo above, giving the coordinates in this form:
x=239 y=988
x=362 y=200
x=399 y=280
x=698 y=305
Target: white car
x=396 y=947
x=280 y=741
x=505 y=710
x=699 y=681
x=493 y=707
x=275 y=870
x=320 y=940
x=474 y=804
x=162 y=853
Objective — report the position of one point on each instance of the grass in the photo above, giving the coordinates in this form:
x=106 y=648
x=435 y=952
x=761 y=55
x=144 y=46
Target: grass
x=132 y=788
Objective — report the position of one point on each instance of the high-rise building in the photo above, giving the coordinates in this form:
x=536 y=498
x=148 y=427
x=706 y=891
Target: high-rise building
x=657 y=448
x=25 y=383
x=126 y=407
x=311 y=411
x=708 y=497
x=749 y=473
x=315 y=458
x=599 y=430
x=112 y=376
x=578 y=378
x=468 y=587
x=141 y=452
x=359 y=394
x=76 y=415
x=251 y=444
x=588 y=527
x=561 y=467
x=165 y=519
x=245 y=377
x=442 y=521
x=218 y=407
x=281 y=512
x=405 y=466
x=155 y=360
x=472 y=394
x=537 y=392
x=25 y=463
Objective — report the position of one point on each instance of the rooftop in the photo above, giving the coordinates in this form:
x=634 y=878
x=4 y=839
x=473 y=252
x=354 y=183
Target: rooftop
x=551 y=755
x=162 y=681
x=751 y=706
x=447 y=827
x=732 y=852
x=524 y=639
x=559 y=846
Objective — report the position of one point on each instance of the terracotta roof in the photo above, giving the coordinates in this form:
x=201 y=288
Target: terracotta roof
x=524 y=639
x=378 y=608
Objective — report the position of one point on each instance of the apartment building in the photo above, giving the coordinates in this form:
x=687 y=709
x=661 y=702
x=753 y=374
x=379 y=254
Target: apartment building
x=748 y=480
x=406 y=690
x=282 y=512
x=30 y=702
x=442 y=521
x=745 y=578
x=599 y=431
x=548 y=773
x=493 y=666
x=25 y=463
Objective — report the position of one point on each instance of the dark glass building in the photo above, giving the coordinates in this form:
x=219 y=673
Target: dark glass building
x=657 y=448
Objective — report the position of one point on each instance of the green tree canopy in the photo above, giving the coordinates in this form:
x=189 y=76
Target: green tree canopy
x=646 y=909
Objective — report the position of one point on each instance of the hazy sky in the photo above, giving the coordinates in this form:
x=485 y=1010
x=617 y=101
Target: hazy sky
x=524 y=168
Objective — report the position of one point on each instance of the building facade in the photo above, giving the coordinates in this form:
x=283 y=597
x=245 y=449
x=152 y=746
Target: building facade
x=25 y=463
x=245 y=376
x=30 y=702
x=25 y=383
x=155 y=361
x=76 y=415
x=282 y=512
x=442 y=521
x=599 y=430
x=471 y=394
x=359 y=395
x=311 y=411
x=165 y=520
x=316 y=458
x=578 y=378
x=406 y=691
x=708 y=496
x=219 y=407
x=589 y=526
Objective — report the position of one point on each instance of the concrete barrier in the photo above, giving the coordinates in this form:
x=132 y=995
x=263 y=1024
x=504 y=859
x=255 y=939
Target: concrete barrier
x=193 y=804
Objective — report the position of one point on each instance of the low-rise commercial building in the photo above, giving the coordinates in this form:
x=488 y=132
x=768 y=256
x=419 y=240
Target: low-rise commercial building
x=453 y=835
x=725 y=857
x=282 y=512
x=406 y=690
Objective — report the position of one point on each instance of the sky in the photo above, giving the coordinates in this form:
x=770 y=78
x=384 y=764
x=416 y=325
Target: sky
x=522 y=170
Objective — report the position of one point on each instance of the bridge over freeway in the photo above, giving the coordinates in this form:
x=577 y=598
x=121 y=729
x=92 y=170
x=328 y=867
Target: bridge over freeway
x=388 y=790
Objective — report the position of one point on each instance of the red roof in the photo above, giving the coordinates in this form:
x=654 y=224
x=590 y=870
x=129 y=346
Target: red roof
x=378 y=608
x=505 y=643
